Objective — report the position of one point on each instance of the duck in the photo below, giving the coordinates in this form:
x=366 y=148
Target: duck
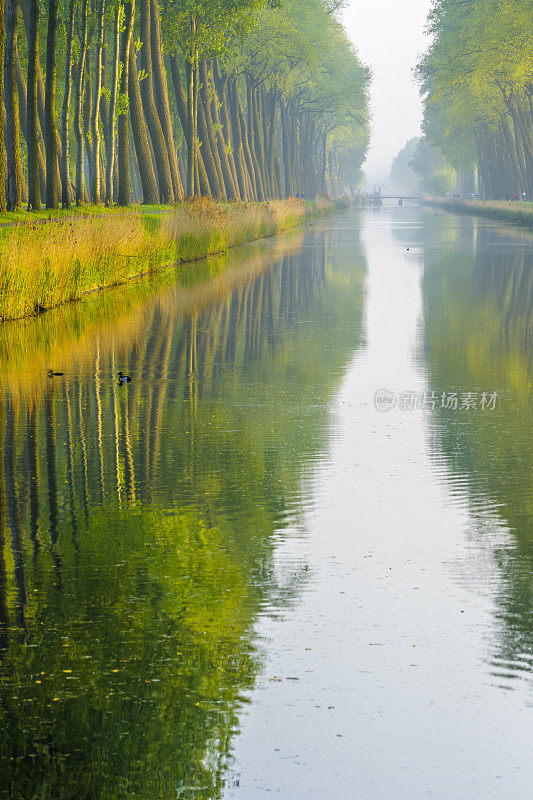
x=123 y=378
x=52 y=374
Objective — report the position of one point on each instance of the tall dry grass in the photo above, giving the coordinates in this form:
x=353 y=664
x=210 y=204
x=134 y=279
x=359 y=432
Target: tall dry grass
x=204 y=227
x=67 y=339
x=42 y=266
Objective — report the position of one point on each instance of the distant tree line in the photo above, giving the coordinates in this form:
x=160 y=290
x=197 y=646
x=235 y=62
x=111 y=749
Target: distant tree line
x=420 y=167
x=234 y=99
x=477 y=81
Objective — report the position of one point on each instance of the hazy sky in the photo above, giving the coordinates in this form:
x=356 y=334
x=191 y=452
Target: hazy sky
x=389 y=37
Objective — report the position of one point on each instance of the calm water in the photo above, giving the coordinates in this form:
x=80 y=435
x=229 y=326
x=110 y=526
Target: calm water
x=236 y=576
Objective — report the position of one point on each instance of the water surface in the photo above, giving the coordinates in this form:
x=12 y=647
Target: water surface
x=235 y=576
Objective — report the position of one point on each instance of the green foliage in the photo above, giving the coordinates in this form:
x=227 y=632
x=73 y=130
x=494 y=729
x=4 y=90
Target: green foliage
x=123 y=104
x=204 y=27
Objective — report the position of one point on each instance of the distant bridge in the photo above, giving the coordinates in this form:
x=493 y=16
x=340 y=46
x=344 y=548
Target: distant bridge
x=376 y=198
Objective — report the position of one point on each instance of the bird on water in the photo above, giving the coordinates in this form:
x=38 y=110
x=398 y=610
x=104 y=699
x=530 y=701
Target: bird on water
x=52 y=374
x=123 y=378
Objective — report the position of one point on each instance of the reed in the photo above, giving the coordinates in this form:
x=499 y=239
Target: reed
x=42 y=266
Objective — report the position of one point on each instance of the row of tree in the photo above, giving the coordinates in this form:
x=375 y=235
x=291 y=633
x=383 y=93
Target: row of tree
x=477 y=80
x=265 y=100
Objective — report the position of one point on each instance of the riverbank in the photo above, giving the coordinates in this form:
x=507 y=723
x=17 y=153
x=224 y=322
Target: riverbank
x=67 y=339
x=495 y=209
x=46 y=265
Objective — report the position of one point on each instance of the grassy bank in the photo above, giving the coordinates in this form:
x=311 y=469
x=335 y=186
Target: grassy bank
x=111 y=320
x=45 y=265
x=495 y=209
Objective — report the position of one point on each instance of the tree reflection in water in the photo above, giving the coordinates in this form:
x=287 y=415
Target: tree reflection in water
x=136 y=523
x=478 y=307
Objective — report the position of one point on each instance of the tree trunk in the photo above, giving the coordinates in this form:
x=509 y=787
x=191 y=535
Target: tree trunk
x=26 y=11
x=191 y=133
x=94 y=163
x=181 y=100
x=66 y=197
x=220 y=144
x=521 y=152
x=14 y=166
x=199 y=190
x=269 y=126
x=258 y=139
x=87 y=111
x=136 y=192
x=286 y=151
x=161 y=97
x=244 y=181
x=200 y=172
x=110 y=165
x=140 y=134
x=124 y=187
x=292 y=119
x=23 y=118
x=254 y=178
x=32 y=135
x=78 y=109
x=182 y=161
x=207 y=136
x=162 y=163
x=220 y=98
x=250 y=137
x=206 y=150
x=3 y=204
x=511 y=149
x=49 y=107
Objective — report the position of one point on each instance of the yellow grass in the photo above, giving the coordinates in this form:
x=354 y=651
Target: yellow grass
x=42 y=266
x=69 y=338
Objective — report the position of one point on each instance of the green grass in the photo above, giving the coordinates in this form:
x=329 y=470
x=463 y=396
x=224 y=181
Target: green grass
x=24 y=217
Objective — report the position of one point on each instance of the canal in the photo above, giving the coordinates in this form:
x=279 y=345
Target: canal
x=294 y=556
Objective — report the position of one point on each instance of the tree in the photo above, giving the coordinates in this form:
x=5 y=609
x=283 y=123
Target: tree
x=3 y=204
x=78 y=110
x=32 y=136
x=124 y=190
x=52 y=186
x=14 y=166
